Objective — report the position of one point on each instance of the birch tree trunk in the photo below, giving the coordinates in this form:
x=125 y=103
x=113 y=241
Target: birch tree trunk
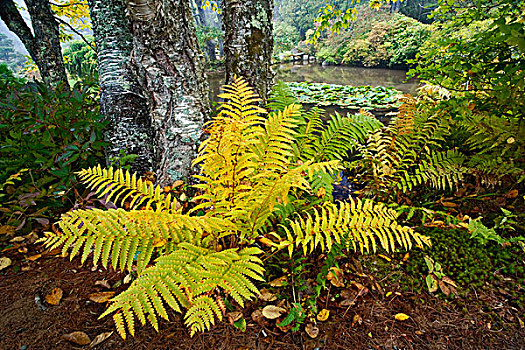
x=171 y=70
x=248 y=42
x=44 y=45
x=153 y=86
x=122 y=99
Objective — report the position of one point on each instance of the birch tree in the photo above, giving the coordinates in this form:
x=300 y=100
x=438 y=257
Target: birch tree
x=248 y=42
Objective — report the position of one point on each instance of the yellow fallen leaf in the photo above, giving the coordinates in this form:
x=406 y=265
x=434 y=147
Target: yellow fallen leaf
x=54 y=297
x=4 y=262
x=7 y=230
x=311 y=330
x=335 y=276
x=278 y=282
x=79 y=338
x=323 y=315
x=384 y=257
x=177 y=183
x=34 y=257
x=101 y=297
x=401 y=317
x=321 y=192
x=272 y=312
x=388 y=294
x=450 y=204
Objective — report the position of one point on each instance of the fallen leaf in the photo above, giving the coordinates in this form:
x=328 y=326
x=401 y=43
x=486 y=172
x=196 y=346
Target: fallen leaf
x=266 y=295
x=323 y=315
x=321 y=192
x=7 y=230
x=100 y=338
x=4 y=262
x=258 y=317
x=18 y=239
x=79 y=338
x=311 y=330
x=512 y=194
x=127 y=279
x=278 y=282
x=103 y=283
x=401 y=317
x=272 y=312
x=384 y=257
x=522 y=324
x=356 y=319
x=419 y=332
x=335 y=276
x=34 y=257
x=54 y=297
x=177 y=183
x=388 y=294
x=101 y=297
x=283 y=328
x=444 y=288
x=450 y=204
x=234 y=316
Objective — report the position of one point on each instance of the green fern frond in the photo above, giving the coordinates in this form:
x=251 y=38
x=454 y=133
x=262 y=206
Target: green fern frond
x=361 y=221
x=188 y=277
x=125 y=236
x=118 y=184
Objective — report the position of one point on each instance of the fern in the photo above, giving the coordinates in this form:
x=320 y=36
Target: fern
x=187 y=277
x=117 y=184
x=254 y=184
x=365 y=222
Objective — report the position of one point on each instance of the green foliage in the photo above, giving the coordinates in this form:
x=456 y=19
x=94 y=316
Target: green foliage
x=382 y=42
x=285 y=37
x=409 y=153
x=48 y=133
x=354 y=97
x=9 y=56
x=480 y=50
x=466 y=261
x=81 y=59
x=248 y=174
x=8 y=81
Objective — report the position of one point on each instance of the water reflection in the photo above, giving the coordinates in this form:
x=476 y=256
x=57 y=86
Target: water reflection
x=343 y=75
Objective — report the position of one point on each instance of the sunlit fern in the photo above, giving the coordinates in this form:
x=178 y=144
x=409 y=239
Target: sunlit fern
x=252 y=187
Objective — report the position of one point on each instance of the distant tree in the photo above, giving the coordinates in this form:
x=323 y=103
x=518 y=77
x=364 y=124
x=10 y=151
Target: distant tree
x=8 y=55
x=44 y=45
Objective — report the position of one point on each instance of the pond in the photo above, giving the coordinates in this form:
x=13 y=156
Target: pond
x=313 y=72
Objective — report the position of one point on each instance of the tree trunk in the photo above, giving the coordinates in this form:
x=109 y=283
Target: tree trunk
x=122 y=100
x=44 y=45
x=248 y=42
x=171 y=69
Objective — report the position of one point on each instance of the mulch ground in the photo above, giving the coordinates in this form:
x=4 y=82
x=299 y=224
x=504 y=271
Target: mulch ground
x=486 y=321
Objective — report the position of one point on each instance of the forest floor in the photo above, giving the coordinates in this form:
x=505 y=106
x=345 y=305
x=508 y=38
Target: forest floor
x=487 y=320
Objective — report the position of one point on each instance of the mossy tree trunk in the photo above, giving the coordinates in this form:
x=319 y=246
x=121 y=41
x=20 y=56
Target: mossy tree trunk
x=248 y=42
x=152 y=71
x=122 y=99
x=43 y=43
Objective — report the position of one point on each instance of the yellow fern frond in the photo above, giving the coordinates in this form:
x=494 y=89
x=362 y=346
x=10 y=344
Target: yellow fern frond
x=360 y=223
x=126 y=236
x=186 y=278
x=118 y=184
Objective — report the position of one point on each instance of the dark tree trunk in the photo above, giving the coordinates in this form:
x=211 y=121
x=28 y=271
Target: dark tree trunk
x=44 y=45
x=248 y=42
x=122 y=99
x=171 y=69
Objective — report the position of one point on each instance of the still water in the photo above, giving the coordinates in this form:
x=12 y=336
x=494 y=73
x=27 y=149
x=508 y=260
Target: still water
x=315 y=73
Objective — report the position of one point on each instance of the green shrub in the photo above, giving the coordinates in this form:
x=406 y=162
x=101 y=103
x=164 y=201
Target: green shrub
x=45 y=135
x=466 y=261
x=285 y=37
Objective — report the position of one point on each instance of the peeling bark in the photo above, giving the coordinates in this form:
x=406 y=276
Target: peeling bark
x=248 y=42
x=122 y=100
x=171 y=69
x=44 y=45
